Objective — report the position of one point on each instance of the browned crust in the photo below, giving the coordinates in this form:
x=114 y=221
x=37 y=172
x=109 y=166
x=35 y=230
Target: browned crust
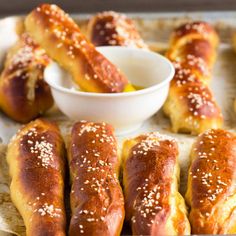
x=194 y=45
x=97 y=202
x=211 y=182
x=197 y=53
x=63 y=41
x=195 y=94
x=148 y=176
x=195 y=30
x=200 y=48
x=190 y=103
x=114 y=29
x=24 y=94
x=36 y=160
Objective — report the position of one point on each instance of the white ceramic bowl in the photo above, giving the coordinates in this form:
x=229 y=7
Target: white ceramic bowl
x=125 y=111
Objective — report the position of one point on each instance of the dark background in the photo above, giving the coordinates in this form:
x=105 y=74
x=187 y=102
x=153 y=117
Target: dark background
x=8 y=7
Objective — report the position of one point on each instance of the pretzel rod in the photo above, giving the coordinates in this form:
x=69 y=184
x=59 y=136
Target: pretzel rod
x=211 y=191
x=110 y=28
x=150 y=177
x=37 y=167
x=63 y=41
x=97 y=202
x=190 y=105
x=24 y=95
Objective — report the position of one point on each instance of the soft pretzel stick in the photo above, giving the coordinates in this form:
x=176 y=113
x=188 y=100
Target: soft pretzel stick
x=97 y=202
x=114 y=29
x=63 y=41
x=37 y=167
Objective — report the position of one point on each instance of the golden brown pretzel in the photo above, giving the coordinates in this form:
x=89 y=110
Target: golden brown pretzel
x=211 y=191
x=63 y=41
x=190 y=103
x=24 y=94
x=150 y=177
x=114 y=29
x=194 y=30
x=36 y=162
x=194 y=46
x=97 y=202
x=197 y=54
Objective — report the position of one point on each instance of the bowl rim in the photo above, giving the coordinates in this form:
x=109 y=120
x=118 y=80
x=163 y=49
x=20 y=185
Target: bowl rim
x=147 y=90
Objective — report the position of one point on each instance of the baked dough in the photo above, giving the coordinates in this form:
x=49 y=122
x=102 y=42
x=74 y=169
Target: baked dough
x=150 y=178
x=190 y=105
x=97 y=202
x=37 y=166
x=211 y=191
x=24 y=95
x=63 y=41
x=110 y=28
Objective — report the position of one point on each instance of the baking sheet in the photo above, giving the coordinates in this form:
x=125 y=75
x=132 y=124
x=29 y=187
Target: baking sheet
x=154 y=28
